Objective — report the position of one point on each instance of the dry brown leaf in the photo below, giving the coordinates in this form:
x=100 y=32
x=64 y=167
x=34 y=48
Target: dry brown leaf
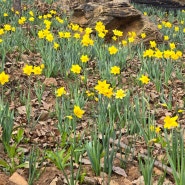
x=54 y=181
x=139 y=181
x=113 y=182
x=119 y=171
x=133 y=173
x=46 y=106
x=45 y=95
x=154 y=96
x=158 y=171
x=12 y=106
x=43 y=115
x=50 y=82
x=21 y=110
x=127 y=182
x=167 y=182
x=18 y=179
x=85 y=161
x=99 y=180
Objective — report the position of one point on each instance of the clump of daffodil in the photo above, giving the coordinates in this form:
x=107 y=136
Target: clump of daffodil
x=89 y=93
x=180 y=111
x=172 y=46
x=167 y=54
x=56 y=45
x=31 y=19
x=152 y=127
x=84 y=58
x=49 y=37
x=54 y=12
x=47 y=16
x=61 y=34
x=157 y=130
x=167 y=24
x=174 y=56
x=69 y=117
x=60 y=91
x=114 y=38
x=158 y=54
x=74 y=27
x=86 y=40
x=5 y=14
x=31 y=13
x=117 y=33
x=46 y=34
x=58 y=19
x=42 y=66
x=36 y=70
x=108 y=92
x=17 y=12
x=76 y=69
x=101 y=35
x=131 y=39
x=166 y=37
x=100 y=29
x=159 y=26
x=120 y=94
x=47 y=24
x=7 y=27
x=2 y=31
x=131 y=36
x=143 y=35
x=78 y=112
x=76 y=36
x=148 y=53
x=27 y=69
x=124 y=42
x=102 y=85
x=144 y=79
x=115 y=70
x=104 y=88
x=4 y=78
x=88 y=30
x=112 y=50
x=153 y=44
x=170 y=122
x=22 y=20
x=67 y=35
x=176 y=29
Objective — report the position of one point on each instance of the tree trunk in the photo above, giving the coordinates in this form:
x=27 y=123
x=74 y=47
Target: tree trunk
x=17 y=6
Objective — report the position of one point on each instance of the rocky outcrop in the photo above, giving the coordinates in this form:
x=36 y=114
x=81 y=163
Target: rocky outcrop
x=117 y=14
x=164 y=4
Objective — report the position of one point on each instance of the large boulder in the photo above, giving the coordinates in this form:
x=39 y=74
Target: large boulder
x=164 y=4
x=117 y=14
